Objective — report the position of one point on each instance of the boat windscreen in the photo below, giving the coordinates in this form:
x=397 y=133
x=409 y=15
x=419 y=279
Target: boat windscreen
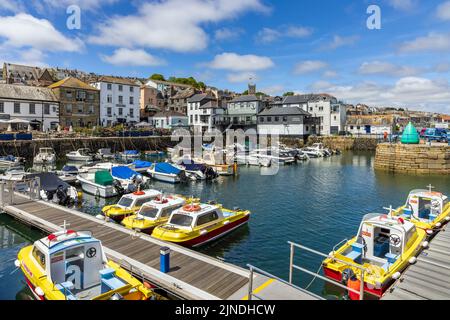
x=125 y=202
x=148 y=211
x=181 y=220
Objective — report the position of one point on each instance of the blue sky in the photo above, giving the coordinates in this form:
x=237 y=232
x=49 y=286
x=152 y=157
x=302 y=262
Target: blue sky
x=300 y=46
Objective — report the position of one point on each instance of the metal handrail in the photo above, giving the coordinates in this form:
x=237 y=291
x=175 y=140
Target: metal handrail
x=338 y=244
x=267 y=274
x=293 y=266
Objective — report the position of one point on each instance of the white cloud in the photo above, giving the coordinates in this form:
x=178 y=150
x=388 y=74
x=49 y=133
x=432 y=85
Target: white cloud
x=404 y=5
x=127 y=57
x=339 y=41
x=242 y=77
x=309 y=66
x=238 y=63
x=225 y=34
x=389 y=69
x=26 y=31
x=171 y=24
x=330 y=74
x=273 y=90
x=11 y=6
x=410 y=92
x=431 y=42
x=443 y=11
x=268 y=35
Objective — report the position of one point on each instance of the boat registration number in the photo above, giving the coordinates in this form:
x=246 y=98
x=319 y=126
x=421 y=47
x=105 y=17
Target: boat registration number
x=366 y=234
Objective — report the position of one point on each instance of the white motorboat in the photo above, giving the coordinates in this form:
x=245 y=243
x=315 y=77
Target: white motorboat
x=105 y=154
x=46 y=156
x=166 y=172
x=317 y=150
x=253 y=159
x=11 y=161
x=83 y=154
x=129 y=155
x=15 y=174
x=274 y=155
x=100 y=183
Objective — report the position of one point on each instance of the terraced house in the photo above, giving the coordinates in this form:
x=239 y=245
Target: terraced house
x=79 y=103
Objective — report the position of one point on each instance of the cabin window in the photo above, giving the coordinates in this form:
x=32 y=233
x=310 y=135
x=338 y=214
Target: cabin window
x=125 y=202
x=140 y=202
x=166 y=212
x=75 y=253
x=40 y=257
x=207 y=218
x=181 y=220
x=149 y=212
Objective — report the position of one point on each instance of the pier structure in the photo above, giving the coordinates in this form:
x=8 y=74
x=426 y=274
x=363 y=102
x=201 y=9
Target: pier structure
x=192 y=275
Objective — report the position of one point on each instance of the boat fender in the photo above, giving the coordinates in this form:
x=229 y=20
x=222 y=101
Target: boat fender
x=447 y=218
x=430 y=232
x=396 y=276
x=17 y=263
x=100 y=217
x=412 y=260
x=425 y=244
x=226 y=222
x=39 y=292
x=438 y=224
x=355 y=284
x=203 y=232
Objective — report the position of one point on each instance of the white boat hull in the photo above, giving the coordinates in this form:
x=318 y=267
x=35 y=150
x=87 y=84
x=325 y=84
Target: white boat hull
x=164 y=177
x=79 y=158
x=97 y=190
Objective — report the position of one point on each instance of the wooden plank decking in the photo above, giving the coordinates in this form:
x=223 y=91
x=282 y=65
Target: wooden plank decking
x=192 y=276
x=429 y=277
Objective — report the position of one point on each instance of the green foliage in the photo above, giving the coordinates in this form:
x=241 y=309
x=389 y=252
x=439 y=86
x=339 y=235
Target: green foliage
x=288 y=94
x=188 y=81
x=158 y=76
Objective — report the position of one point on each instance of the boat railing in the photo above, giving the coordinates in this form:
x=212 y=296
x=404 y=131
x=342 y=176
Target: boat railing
x=9 y=188
x=251 y=291
x=292 y=266
x=339 y=244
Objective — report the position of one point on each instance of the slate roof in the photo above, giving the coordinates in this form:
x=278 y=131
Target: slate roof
x=246 y=98
x=20 y=92
x=200 y=97
x=286 y=111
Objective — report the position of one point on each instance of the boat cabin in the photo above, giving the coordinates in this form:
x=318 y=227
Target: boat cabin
x=425 y=205
x=76 y=264
x=48 y=151
x=194 y=216
x=160 y=207
x=381 y=241
x=137 y=199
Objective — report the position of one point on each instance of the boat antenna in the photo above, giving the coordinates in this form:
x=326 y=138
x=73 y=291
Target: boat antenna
x=65 y=225
x=430 y=187
x=391 y=209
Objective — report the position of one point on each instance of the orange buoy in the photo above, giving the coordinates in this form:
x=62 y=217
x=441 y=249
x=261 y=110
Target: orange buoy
x=191 y=208
x=354 y=284
x=139 y=193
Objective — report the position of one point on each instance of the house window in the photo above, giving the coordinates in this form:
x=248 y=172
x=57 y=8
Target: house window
x=120 y=111
x=120 y=99
x=90 y=96
x=109 y=85
x=68 y=108
x=131 y=89
x=261 y=119
x=285 y=119
x=277 y=119
x=91 y=109
x=2 y=107
x=131 y=99
x=132 y=113
x=192 y=118
x=46 y=108
x=16 y=107
x=269 y=119
x=109 y=98
x=320 y=108
x=109 y=112
x=32 y=108
x=120 y=87
x=196 y=118
x=310 y=108
x=81 y=95
x=335 y=118
x=80 y=108
x=69 y=94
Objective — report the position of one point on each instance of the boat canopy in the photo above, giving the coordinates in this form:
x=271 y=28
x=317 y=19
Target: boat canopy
x=69 y=169
x=164 y=167
x=9 y=158
x=103 y=178
x=195 y=167
x=139 y=164
x=122 y=172
x=131 y=152
x=49 y=181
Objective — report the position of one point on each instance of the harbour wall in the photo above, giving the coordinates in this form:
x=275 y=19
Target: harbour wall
x=346 y=143
x=413 y=159
x=62 y=146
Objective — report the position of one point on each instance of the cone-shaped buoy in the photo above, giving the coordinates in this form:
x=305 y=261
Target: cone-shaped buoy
x=410 y=135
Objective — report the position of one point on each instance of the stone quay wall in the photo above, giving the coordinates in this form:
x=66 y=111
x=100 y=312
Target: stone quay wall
x=346 y=143
x=413 y=159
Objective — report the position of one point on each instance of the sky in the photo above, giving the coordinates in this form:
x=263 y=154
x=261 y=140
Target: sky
x=301 y=46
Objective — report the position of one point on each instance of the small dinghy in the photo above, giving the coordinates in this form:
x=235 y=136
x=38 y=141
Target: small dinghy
x=68 y=173
x=166 y=172
x=54 y=189
x=70 y=265
x=130 y=155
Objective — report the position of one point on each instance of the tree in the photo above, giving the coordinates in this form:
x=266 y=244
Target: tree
x=289 y=93
x=158 y=77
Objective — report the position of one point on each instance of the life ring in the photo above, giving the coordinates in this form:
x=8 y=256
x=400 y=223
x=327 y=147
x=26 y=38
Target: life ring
x=139 y=193
x=192 y=208
x=161 y=200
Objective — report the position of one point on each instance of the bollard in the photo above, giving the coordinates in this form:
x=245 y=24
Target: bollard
x=164 y=259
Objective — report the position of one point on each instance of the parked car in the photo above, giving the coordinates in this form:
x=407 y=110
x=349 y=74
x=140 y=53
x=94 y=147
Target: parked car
x=422 y=132
x=436 y=134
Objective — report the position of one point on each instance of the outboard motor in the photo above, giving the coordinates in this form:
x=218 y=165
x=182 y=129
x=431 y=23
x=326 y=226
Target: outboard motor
x=183 y=177
x=210 y=173
x=118 y=186
x=62 y=197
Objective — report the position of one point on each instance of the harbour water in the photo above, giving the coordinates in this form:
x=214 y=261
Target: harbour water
x=317 y=204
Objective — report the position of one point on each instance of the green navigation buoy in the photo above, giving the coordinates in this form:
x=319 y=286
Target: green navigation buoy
x=410 y=135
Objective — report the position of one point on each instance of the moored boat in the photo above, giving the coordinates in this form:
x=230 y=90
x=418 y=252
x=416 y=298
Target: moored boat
x=427 y=209
x=384 y=246
x=153 y=213
x=71 y=265
x=166 y=172
x=141 y=166
x=54 y=189
x=45 y=156
x=100 y=183
x=196 y=224
x=82 y=154
x=105 y=154
x=129 y=204
x=128 y=155
x=11 y=161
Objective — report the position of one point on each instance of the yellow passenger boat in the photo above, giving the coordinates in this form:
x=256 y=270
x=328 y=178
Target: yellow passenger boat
x=153 y=213
x=71 y=265
x=427 y=209
x=129 y=204
x=384 y=247
x=196 y=224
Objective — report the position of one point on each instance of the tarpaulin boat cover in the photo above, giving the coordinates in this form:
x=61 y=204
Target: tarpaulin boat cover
x=9 y=158
x=70 y=169
x=167 y=168
x=195 y=167
x=139 y=164
x=103 y=178
x=123 y=172
x=131 y=152
x=49 y=181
